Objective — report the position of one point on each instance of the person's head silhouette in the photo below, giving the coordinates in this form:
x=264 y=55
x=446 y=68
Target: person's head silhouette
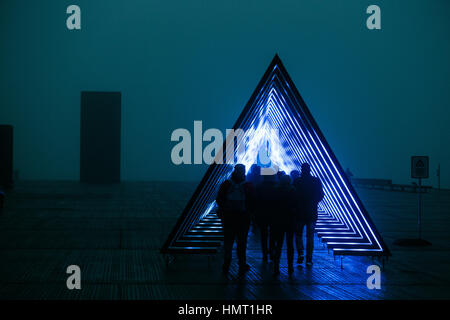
x=255 y=170
x=306 y=169
x=238 y=174
x=295 y=174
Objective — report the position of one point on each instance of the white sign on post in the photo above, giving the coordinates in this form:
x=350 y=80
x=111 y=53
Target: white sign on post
x=419 y=167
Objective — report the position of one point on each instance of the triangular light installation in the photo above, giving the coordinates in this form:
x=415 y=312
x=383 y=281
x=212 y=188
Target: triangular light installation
x=277 y=116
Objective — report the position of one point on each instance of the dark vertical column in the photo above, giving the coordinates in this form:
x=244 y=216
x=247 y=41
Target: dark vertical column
x=100 y=137
x=6 y=156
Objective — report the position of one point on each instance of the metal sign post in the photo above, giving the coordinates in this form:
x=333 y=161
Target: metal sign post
x=419 y=213
x=419 y=170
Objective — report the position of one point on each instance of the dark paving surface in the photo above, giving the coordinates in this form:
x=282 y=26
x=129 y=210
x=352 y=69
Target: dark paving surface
x=114 y=234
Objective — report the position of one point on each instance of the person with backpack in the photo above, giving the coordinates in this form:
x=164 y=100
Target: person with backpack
x=309 y=194
x=234 y=199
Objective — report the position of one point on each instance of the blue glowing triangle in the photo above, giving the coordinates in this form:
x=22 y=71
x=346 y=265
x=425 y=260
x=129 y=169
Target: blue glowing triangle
x=344 y=224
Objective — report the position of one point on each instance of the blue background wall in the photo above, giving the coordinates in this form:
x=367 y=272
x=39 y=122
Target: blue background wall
x=378 y=96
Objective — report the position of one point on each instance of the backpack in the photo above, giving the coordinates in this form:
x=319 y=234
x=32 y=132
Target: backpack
x=235 y=199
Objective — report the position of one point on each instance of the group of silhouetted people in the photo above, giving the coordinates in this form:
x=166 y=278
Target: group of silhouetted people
x=280 y=205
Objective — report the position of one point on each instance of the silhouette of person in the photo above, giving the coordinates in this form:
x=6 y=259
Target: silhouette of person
x=264 y=209
x=294 y=175
x=283 y=223
x=280 y=174
x=309 y=194
x=254 y=175
x=233 y=199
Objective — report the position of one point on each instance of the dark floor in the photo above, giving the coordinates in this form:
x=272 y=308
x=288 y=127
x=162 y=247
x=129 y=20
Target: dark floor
x=114 y=234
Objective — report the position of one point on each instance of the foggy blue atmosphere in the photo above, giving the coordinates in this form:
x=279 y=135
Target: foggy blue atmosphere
x=378 y=97
x=93 y=205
